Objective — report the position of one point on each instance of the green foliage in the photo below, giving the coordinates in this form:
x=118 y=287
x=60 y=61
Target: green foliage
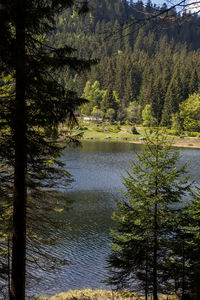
x=33 y=103
x=118 y=127
x=110 y=114
x=193 y=134
x=151 y=67
x=146 y=218
x=176 y=122
x=97 y=113
x=172 y=132
x=114 y=129
x=190 y=113
x=175 y=94
x=183 y=260
x=134 y=130
x=94 y=95
x=147 y=116
x=98 y=129
x=109 y=104
x=133 y=112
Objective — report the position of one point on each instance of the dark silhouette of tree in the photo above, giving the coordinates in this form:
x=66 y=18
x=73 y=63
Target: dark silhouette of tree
x=33 y=109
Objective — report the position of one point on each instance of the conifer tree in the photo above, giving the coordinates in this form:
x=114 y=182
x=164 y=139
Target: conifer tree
x=192 y=229
x=194 y=83
x=109 y=101
x=146 y=217
x=181 y=270
x=174 y=96
x=35 y=107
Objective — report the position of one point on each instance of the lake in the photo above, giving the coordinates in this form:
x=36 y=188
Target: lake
x=97 y=168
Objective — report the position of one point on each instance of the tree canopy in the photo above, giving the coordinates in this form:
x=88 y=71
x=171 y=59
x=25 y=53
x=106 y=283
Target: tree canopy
x=147 y=221
x=154 y=61
x=33 y=104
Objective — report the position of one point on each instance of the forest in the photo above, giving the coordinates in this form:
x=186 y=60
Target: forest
x=152 y=62
x=118 y=61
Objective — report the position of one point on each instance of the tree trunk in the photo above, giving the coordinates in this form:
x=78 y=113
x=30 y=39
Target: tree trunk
x=20 y=193
x=155 y=250
x=183 y=270
x=146 y=279
x=155 y=290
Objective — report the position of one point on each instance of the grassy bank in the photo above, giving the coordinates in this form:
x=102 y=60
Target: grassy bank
x=101 y=295
x=92 y=132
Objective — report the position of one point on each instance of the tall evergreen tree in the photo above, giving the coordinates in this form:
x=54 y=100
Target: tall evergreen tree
x=194 y=83
x=37 y=104
x=109 y=101
x=174 y=96
x=146 y=217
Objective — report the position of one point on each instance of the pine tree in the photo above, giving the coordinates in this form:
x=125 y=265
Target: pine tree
x=109 y=101
x=186 y=247
x=174 y=96
x=37 y=104
x=194 y=83
x=146 y=217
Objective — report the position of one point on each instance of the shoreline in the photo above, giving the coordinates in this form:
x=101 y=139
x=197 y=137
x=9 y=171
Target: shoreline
x=100 y=294
x=177 y=142
x=109 y=134
x=90 y=132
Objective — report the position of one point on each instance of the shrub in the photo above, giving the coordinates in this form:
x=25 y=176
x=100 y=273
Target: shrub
x=118 y=126
x=134 y=130
x=113 y=129
x=172 y=132
x=98 y=129
x=193 y=134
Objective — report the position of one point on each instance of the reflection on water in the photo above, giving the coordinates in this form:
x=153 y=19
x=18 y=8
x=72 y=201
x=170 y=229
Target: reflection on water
x=97 y=168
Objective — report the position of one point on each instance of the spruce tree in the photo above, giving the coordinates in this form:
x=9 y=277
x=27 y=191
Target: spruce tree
x=186 y=249
x=109 y=102
x=174 y=96
x=33 y=110
x=146 y=218
x=193 y=83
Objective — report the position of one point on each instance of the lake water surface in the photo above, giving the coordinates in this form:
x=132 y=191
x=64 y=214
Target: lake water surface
x=97 y=168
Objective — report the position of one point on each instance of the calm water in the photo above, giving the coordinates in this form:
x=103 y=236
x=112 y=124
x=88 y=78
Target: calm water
x=97 y=168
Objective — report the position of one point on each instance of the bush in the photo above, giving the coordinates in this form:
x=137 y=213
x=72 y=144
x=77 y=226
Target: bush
x=134 y=130
x=113 y=129
x=193 y=134
x=118 y=126
x=172 y=132
x=98 y=129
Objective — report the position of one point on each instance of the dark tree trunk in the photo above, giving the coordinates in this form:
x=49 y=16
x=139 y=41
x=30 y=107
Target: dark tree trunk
x=146 y=279
x=183 y=270
x=155 y=289
x=155 y=250
x=19 y=204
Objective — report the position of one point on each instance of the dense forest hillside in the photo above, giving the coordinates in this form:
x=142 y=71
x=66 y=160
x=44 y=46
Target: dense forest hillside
x=152 y=64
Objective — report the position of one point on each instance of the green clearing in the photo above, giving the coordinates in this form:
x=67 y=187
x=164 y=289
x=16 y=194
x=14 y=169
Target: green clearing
x=91 y=131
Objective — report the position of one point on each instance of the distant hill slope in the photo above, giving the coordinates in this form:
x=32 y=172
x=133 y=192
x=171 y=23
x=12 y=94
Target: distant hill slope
x=154 y=62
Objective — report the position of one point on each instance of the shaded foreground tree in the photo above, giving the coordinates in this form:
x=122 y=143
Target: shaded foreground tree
x=33 y=104
x=146 y=219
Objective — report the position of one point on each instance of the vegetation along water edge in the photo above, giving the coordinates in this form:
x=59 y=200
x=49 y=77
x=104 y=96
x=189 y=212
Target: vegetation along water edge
x=88 y=294
x=130 y=134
